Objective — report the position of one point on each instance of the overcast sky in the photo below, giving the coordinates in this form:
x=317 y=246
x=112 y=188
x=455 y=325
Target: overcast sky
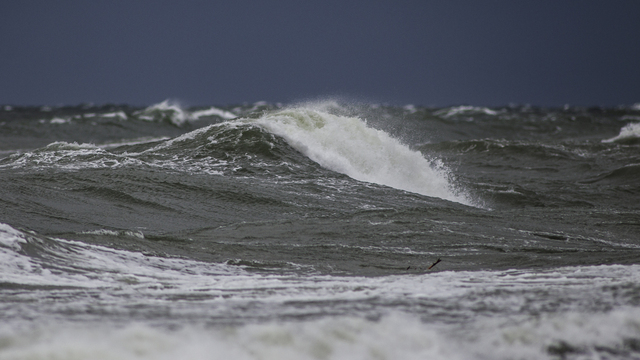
x=432 y=53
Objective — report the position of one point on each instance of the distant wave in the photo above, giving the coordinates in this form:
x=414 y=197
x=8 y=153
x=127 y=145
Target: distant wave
x=629 y=134
x=173 y=113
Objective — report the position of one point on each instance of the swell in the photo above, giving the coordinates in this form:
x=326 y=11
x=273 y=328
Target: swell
x=226 y=148
x=517 y=149
x=624 y=175
x=516 y=173
x=26 y=128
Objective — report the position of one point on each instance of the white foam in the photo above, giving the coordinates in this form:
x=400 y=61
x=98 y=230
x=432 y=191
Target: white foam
x=74 y=157
x=63 y=145
x=347 y=145
x=91 y=266
x=410 y=108
x=394 y=337
x=119 y=114
x=628 y=132
x=14 y=266
x=165 y=109
x=71 y=157
x=520 y=324
x=580 y=335
x=10 y=237
x=213 y=112
x=465 y=109
x=137 y=141
x=60 y=121
x=176 y=114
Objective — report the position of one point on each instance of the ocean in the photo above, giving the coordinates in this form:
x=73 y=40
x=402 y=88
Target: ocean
x=325 y=229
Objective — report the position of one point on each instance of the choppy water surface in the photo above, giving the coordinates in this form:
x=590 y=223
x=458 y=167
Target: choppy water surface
x=266 y=231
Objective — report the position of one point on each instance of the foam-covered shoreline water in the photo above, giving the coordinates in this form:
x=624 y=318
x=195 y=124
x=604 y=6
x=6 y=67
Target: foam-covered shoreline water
x=394 y=336
x=184 y=307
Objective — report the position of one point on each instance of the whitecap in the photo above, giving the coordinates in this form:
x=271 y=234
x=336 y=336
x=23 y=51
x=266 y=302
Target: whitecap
x=165 y=110
x=59 y=121
x=120 y=114
x=629 y=132
x=213 y=111
x=464 y=109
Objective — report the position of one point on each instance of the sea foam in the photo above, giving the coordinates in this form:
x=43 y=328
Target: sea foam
x=165 y=111
x=175 y=114
x=394 y=336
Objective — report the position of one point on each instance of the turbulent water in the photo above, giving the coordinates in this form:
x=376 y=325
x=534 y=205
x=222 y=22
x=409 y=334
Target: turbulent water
x=306 y=231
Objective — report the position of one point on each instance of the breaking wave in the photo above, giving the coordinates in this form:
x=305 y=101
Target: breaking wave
x=348 y=145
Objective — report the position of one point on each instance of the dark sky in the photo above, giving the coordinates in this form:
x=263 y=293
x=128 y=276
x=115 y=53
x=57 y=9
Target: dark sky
x=432 y=53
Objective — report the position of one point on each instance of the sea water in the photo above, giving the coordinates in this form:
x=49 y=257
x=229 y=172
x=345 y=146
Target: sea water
x=308 y=231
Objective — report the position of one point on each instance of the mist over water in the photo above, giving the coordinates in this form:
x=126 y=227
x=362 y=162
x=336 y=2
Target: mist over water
x=306 y=231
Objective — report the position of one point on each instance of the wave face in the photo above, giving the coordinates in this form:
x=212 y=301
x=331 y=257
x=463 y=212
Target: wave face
x=308 y=231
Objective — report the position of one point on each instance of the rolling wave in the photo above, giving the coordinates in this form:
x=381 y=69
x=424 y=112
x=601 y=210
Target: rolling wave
x=281 y=143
